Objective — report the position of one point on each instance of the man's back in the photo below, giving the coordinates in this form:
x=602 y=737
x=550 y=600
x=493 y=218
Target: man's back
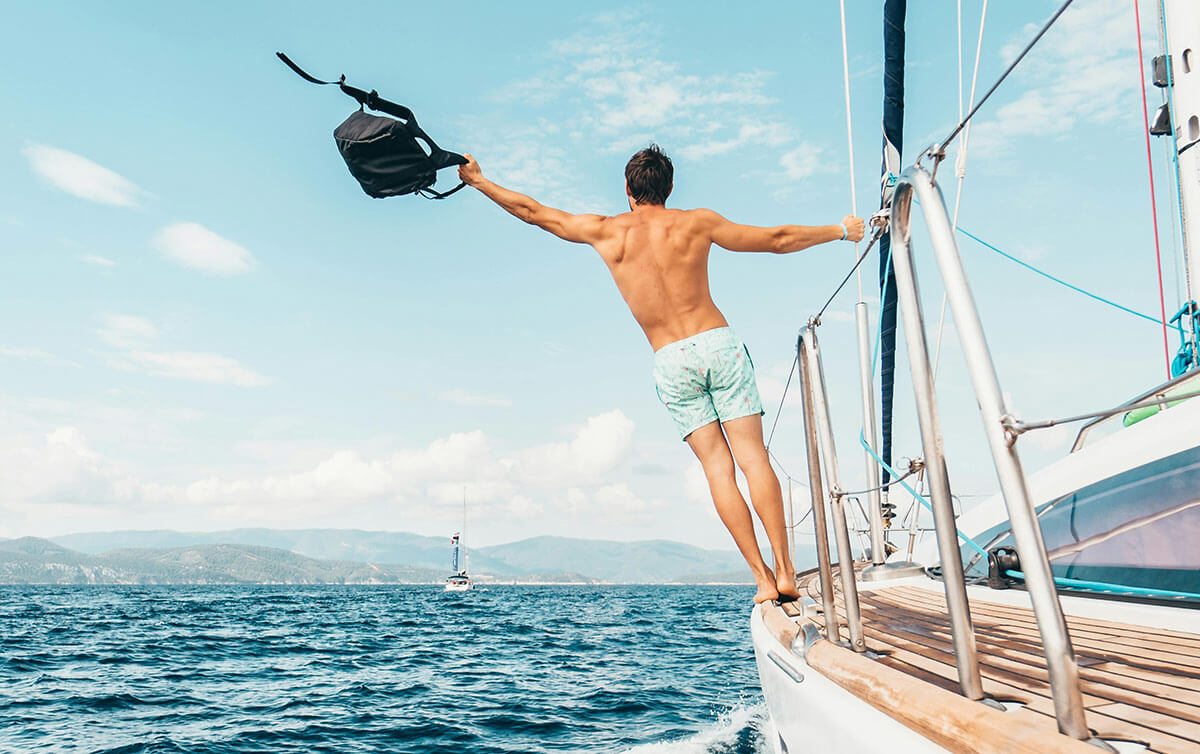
x=658 y=258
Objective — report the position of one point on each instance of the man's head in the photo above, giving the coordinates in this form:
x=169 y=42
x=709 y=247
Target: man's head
x=649 y=177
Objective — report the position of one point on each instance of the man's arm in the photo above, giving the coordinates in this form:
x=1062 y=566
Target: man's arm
x=574 y=228
x=782 y=239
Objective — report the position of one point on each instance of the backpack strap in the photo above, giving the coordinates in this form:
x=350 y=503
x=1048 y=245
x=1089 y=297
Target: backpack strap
x=429 y=193
x=438 y=156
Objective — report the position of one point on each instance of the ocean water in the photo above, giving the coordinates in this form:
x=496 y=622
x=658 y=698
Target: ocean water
x=378 y=669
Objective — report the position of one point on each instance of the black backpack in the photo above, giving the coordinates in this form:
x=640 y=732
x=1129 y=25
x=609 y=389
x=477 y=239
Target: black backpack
x=383 y=153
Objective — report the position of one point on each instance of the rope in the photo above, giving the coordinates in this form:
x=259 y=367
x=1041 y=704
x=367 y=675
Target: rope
x=1162 y=296
x=1058 y=280
x=960 y=163
x=861 y=257
x=1171 y=143
x=917 y=496
x=1100 y=586
x=850 y=135
x=962 y=124
x=782 y=398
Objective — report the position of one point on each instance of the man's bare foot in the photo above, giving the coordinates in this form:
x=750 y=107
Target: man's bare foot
x=766 y=586
x=785 y=585
x=765 y=593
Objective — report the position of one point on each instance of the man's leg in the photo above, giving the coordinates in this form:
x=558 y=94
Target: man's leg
x=746 y=440
x=708 y=443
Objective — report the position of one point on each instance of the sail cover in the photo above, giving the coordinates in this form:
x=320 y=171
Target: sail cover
x=893 y=138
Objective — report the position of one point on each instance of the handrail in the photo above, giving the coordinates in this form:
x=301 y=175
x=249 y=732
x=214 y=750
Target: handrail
x=820 y=530
x=1027 y=536
x=810 y=357
x=1160 y=390
x=962 y=632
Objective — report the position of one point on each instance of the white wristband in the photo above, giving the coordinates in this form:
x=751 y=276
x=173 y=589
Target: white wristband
x=845 y=233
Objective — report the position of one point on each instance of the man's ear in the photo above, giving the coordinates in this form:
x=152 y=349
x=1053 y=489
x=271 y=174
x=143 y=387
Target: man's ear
x=627 y=190
x=670 y=189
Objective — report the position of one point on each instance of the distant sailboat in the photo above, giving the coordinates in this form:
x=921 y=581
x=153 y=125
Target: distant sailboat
x=460 y=581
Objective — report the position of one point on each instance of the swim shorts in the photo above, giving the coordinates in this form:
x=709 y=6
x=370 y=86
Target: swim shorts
x=706 y=378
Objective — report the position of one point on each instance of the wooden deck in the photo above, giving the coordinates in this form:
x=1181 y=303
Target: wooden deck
x=1138 y=684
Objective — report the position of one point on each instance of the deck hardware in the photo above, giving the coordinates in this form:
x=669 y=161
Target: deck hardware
x=785 y=666
x=1060 y=655
x=1001 y=560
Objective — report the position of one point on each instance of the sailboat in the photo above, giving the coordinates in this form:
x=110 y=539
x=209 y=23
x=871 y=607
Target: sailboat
x=1061 y=614
x=460 y=580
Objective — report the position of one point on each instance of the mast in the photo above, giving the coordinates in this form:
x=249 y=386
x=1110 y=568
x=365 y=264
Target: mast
x=466 y=552
x=1180 y=118
x=893 y=138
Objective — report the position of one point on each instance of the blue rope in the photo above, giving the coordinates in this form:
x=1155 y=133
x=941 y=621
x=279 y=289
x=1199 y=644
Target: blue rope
x=896 y=475
x=1062 y=282
x=1100 y=586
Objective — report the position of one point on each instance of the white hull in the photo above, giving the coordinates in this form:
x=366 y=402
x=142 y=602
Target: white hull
x=459 y=587
x=818 y=716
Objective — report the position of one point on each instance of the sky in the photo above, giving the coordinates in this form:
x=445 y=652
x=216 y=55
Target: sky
x=205 y=324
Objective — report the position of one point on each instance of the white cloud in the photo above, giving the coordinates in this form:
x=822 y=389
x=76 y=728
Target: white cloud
x=197 y=366
x=625 y=93
x=1083 y=70
x=134 y=337
x=803 y=161
x=97 y=260
x=126 y=330
x=195 y=246
x=80 y=176
x=35 y=354
x=598 y=446
x=467 y=398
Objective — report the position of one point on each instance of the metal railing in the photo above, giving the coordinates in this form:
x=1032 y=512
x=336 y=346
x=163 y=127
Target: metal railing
x=826 y=487
x=1027 y=536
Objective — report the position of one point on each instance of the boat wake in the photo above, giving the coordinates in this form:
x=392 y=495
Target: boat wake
x=740 y=730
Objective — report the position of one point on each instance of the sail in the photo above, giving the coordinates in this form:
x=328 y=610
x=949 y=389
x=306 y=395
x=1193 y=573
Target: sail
x=454 y=565
x=893 y=138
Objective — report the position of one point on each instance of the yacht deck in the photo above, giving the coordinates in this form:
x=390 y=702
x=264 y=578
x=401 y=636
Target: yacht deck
x=1139 y=684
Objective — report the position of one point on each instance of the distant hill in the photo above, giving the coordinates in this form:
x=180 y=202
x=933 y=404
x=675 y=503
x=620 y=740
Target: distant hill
x=30 y=560
x=538 y=559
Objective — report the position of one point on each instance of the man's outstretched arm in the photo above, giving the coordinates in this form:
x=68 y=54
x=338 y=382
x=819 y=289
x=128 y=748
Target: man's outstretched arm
x=782 y=239
x=574 y=228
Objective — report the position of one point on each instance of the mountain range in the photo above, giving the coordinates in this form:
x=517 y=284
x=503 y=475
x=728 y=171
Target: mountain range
x=349 y=556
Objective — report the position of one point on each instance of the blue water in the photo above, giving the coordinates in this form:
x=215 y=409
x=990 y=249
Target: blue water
x=375 y=669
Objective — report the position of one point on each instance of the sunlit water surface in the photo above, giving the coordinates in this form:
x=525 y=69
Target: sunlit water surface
x=375 y=669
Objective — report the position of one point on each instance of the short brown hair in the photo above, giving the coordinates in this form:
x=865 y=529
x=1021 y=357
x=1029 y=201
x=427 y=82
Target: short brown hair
x=649 y=175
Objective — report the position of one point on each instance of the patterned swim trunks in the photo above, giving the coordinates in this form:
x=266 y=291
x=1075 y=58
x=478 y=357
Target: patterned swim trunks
x=706 y=378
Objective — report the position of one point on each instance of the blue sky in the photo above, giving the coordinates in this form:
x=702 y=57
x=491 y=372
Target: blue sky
x=204 y=323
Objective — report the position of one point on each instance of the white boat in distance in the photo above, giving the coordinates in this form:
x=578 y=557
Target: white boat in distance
x=1060 y=615
x=461 y=580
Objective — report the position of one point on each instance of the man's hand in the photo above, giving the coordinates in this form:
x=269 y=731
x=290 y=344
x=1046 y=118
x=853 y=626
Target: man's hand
x=855 y=227
x=470 y=173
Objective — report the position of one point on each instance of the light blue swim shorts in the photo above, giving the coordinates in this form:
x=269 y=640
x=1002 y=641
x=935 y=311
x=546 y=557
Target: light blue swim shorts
x=706 y=378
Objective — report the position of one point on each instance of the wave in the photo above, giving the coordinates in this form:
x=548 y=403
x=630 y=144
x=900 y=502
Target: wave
x=739 y=730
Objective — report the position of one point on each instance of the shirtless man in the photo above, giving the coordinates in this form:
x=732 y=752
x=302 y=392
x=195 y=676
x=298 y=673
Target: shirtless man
x=658 y=258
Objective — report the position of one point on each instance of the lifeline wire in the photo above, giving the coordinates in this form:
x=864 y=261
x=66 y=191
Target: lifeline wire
x=941 y=149
x=861 y=257
x=782 y=398
x=1162 y=296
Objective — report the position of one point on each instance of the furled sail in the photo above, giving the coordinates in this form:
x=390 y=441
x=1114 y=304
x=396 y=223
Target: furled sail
x=893 y=138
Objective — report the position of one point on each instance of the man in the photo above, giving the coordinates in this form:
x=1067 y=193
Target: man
x=658 y=258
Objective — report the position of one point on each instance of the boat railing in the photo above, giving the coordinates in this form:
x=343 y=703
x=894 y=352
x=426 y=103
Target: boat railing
x=1185 y=383
x=916 y=182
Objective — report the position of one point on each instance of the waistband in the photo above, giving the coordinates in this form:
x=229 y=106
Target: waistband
x=704 y=338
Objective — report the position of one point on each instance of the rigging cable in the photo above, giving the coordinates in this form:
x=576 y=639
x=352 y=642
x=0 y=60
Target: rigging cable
x=960 y=163
x=1162 y=296
x=941 y=149
x=850 y=137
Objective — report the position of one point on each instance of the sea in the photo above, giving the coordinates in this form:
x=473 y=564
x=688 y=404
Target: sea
x=124 y=669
